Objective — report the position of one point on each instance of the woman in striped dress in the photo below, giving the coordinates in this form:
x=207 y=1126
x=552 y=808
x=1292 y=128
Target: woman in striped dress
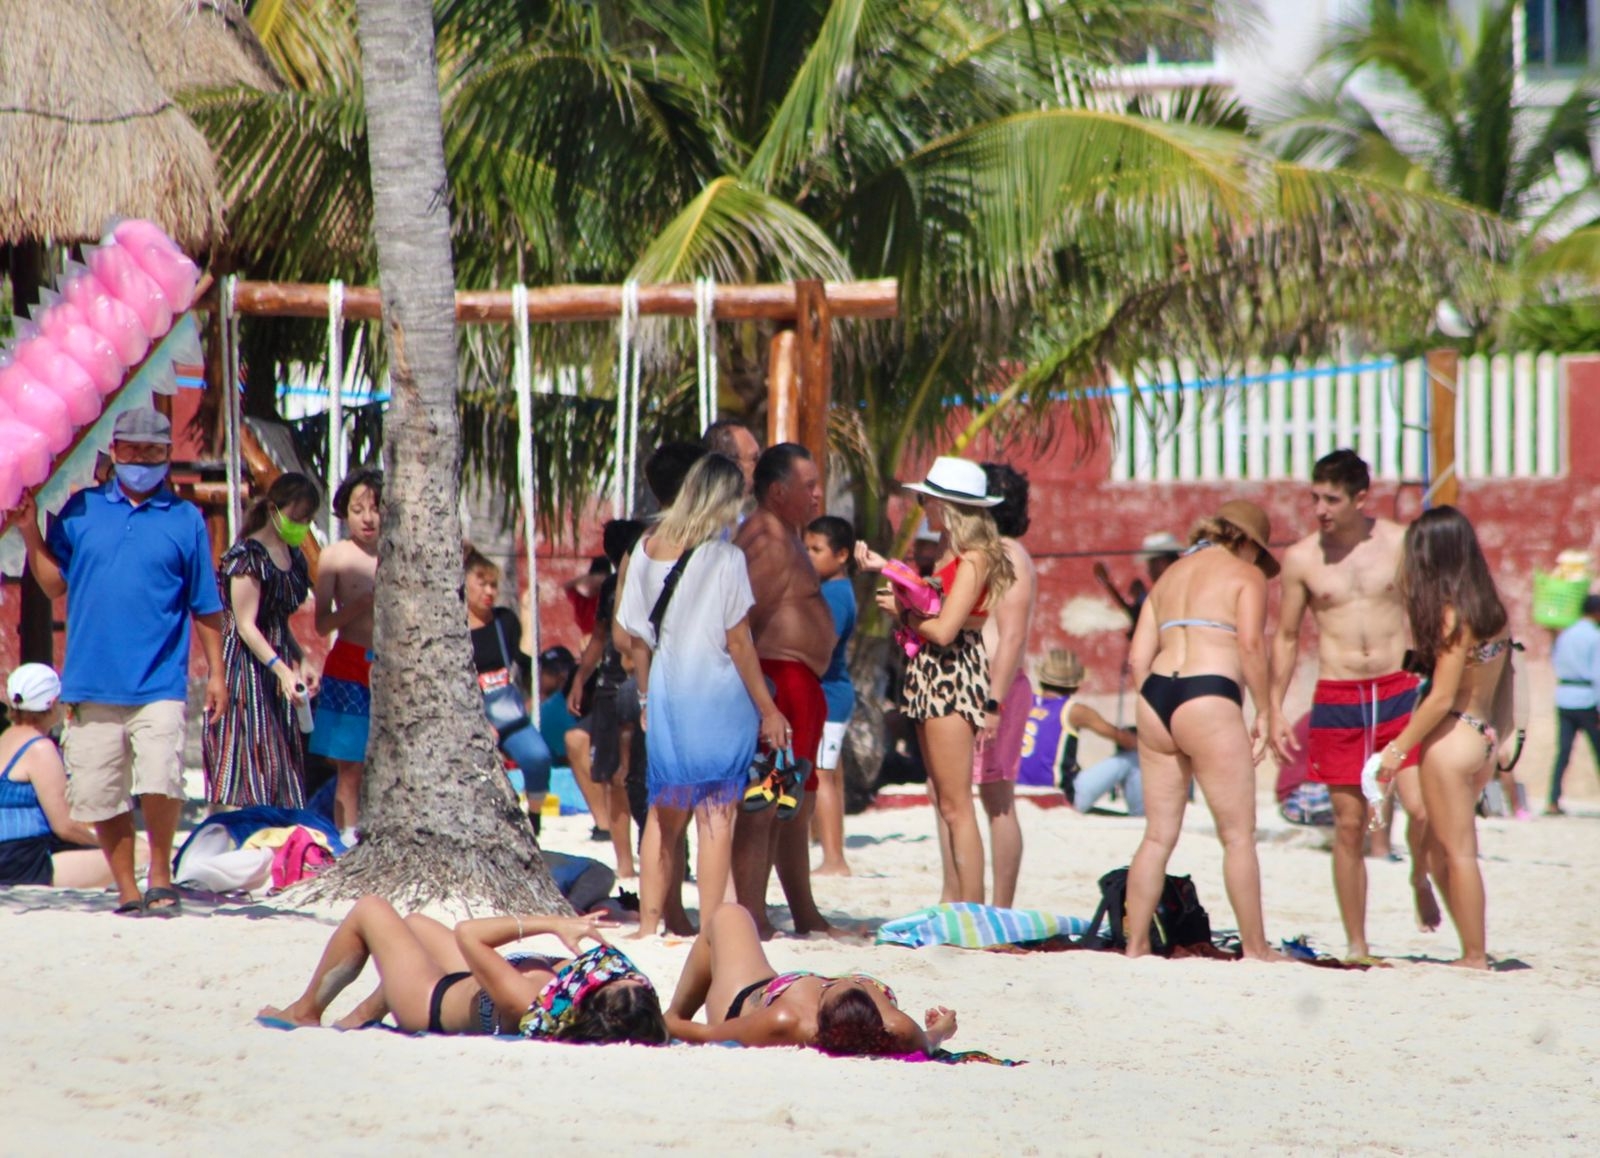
x=254 y=751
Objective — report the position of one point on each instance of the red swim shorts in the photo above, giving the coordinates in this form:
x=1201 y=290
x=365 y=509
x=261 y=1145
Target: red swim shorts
x=1352 y=719
x=798 y=694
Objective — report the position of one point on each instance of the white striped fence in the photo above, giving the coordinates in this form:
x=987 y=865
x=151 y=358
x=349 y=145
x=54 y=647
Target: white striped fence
x=1275 y=421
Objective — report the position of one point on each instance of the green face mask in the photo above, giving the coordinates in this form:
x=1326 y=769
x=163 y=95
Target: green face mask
x=291 y=532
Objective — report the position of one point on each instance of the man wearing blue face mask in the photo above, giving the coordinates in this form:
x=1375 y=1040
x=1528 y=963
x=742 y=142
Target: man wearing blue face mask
x=135 y=563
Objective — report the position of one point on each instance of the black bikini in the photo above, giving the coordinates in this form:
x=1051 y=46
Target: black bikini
x=436 y=1002
x=1166 y=694
x=736 y=1006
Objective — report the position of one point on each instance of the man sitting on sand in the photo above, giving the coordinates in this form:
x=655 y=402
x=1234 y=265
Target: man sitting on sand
x=1347 y=574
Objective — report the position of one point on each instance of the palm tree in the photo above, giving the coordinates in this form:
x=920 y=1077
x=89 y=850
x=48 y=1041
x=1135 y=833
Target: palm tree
x=958 y=147
x=446 y=825
x=1425 y=101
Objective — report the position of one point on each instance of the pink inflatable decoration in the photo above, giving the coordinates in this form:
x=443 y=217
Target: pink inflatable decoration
x=36 y=405
x=115 y=269
x=10 y=483
x=159 y=256
x=61 y=374
x=27 y=448
x=64 y=324
x=108 y=317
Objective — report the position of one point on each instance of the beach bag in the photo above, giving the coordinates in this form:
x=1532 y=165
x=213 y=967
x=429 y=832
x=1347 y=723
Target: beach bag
x=502 y=699
x=298 y=858
x=1179 y=919
x=915 y=594
x=1513 y=700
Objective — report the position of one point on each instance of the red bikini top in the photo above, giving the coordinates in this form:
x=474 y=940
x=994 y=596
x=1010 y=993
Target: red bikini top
x=946 y=576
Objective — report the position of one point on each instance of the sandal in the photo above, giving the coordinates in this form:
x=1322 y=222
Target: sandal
x=766 y=781
x=163 y=902
x=133 y=908
x=793 y=792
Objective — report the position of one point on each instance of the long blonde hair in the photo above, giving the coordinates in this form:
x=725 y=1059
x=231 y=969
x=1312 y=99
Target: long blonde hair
x=709 y=502
x=972 y=529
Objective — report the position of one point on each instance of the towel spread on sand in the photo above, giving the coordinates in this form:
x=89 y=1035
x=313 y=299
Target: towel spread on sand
x=967 y=925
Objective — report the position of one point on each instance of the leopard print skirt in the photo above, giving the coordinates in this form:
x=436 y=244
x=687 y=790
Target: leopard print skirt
x=948 y=681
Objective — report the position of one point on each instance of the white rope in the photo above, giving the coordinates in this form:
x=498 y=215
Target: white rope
x=624 y=465
x=228 y=356
x=705 y=308
x=337 y=449
x=522 y=383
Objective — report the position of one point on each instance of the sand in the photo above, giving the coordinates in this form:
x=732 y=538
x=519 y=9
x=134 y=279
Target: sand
x=138 y=1037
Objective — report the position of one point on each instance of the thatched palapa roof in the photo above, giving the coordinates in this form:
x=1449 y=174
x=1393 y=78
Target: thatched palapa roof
x=87 y=132
x=197 y=44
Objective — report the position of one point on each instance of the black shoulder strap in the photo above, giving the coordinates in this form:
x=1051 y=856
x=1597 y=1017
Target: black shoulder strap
x=659 y=611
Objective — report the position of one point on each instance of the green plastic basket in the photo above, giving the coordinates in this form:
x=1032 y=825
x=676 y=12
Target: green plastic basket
x=1558 y=602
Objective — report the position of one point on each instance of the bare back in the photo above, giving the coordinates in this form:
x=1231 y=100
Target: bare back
x=1353 y=594
x=1211 y=586
x=790 y=619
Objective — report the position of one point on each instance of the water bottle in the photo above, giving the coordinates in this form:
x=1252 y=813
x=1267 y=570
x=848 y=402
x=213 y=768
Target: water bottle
x=302 y=709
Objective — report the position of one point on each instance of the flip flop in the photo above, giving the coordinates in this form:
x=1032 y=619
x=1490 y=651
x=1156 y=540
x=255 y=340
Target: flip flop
x=172 y=907
x=793 y=792
x=277 y=1023
x=133 y=908
x=766 y=780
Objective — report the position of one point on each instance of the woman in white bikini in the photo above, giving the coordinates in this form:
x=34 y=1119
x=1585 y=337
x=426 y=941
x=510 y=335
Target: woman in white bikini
x=1458 y=629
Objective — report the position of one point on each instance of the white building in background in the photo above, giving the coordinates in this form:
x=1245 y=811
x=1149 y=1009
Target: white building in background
x=1276 y=45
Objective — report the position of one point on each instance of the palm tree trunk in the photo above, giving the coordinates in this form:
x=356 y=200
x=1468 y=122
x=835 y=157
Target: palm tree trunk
x=441 y=821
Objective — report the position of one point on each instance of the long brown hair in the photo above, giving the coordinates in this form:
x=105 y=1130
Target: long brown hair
x=1443 y=568
x=286 y=490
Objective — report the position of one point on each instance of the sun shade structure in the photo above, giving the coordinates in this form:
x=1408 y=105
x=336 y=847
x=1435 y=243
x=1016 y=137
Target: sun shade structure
x=197 y=44
x=88 y=133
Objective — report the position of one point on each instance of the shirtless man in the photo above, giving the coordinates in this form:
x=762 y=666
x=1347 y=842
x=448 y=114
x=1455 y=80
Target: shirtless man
x=794 y=636
x=346 y=575
x=1347 y=574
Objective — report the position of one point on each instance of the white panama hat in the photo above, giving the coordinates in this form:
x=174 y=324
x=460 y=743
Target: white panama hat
x=956 y=480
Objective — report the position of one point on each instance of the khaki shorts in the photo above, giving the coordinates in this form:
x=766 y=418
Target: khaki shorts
x=114 y=751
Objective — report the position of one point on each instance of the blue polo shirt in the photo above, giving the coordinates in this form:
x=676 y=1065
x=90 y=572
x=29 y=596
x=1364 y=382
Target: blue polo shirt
x=1576 y=660
x=135 y=574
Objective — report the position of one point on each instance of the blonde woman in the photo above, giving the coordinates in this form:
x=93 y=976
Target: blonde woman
x=946 y=689
x=685 y=606
x=1199 y=636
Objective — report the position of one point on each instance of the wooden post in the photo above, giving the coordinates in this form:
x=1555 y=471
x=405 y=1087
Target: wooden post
x=1444 y=367
x=814 y=330
x=783 y=390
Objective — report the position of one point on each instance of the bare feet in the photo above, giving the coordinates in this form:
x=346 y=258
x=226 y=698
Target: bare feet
x=831 y=870
x=363 y=1015
x=1428 y=915
x=678 y=925
x=1480 y=963
x=294 y=1015
x=815 y=924
x=1266 y=954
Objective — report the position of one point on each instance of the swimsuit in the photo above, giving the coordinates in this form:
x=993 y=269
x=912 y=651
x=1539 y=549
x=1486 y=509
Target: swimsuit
x=773 y=988
x=1166 y=694
x=1352 y=719
x=488 y=1021
x=1491 y=737
x=946 y=576
x=1485 y=652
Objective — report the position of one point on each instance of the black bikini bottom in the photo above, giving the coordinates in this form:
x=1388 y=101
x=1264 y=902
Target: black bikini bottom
x=737 y=1004
x=1166 y=694
x=436 y=1002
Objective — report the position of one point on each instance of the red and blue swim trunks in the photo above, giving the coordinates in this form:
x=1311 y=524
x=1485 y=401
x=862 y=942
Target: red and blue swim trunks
x=1352 y=719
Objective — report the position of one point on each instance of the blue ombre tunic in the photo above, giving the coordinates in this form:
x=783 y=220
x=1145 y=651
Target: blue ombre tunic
x=701 y=727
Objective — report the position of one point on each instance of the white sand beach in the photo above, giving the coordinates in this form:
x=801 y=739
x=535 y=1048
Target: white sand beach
x=135 y=1037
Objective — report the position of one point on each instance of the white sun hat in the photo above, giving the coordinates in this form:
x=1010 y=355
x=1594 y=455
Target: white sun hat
x=956 y=480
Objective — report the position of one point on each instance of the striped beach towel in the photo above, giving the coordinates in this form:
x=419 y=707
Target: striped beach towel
x=967 y=925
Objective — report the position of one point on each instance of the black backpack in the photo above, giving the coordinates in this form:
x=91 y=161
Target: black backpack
x=1180 y=918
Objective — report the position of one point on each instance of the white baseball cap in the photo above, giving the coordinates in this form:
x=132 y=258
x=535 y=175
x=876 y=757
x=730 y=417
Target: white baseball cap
x=33 y=687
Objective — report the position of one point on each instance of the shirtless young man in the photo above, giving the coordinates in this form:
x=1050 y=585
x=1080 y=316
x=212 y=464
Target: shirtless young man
x=346 y=575
x=1347 y=574
x=794 y=636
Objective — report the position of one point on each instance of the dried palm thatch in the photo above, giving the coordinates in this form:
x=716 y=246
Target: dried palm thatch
x=197 y=44
x=87 y=132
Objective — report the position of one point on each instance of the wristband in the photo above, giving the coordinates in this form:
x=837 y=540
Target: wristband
x=273 y=660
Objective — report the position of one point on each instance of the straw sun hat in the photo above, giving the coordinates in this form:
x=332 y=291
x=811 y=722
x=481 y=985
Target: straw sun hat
x=1253 y=521
x=1061 y=668
x=956 y=480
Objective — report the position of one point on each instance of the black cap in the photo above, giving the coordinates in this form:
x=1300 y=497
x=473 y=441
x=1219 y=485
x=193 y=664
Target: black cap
x=557 y=656
x=1591 y=605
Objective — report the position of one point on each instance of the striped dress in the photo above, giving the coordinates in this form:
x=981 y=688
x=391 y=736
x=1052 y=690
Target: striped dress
x=254 y=753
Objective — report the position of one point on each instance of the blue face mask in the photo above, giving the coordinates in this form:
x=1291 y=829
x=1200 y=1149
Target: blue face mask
x=141 y=477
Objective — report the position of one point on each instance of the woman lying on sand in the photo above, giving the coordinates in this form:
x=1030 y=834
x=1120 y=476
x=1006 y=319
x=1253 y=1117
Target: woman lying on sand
x=439 y=981
x=750 y=1002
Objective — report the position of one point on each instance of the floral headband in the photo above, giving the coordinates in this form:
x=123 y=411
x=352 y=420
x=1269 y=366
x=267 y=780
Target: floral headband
x=557 y=1004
